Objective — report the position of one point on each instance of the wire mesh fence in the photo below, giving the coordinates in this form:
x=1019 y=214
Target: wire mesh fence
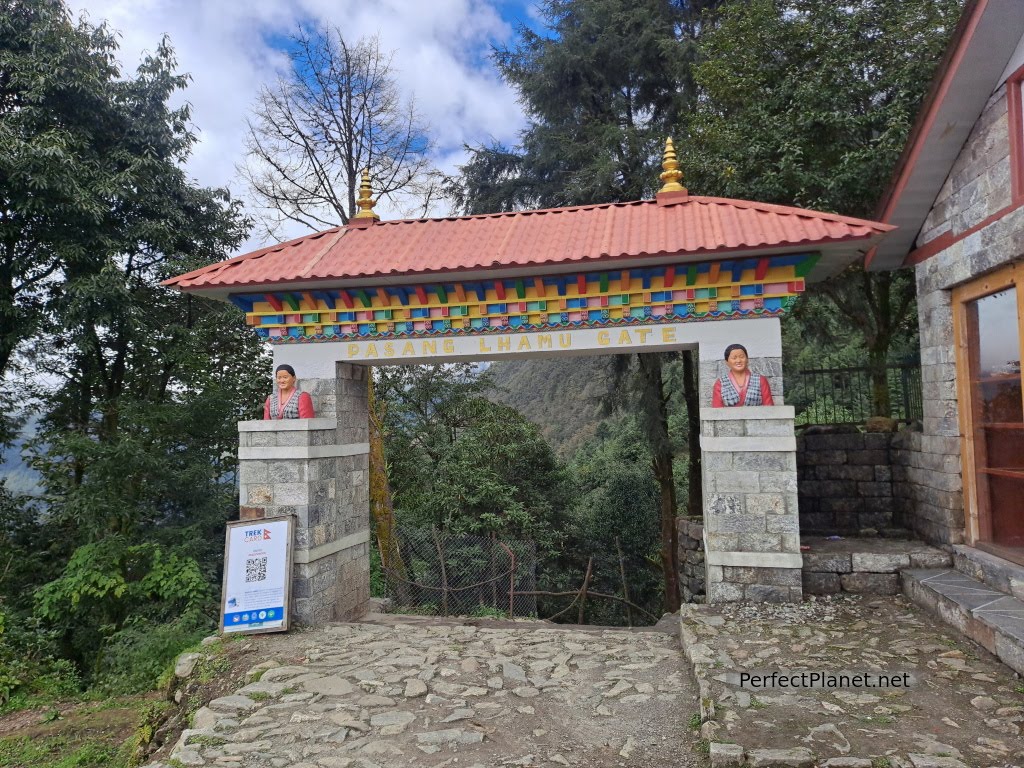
x=447 y=574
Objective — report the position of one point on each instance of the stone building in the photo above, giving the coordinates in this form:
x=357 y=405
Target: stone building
x=957 y=197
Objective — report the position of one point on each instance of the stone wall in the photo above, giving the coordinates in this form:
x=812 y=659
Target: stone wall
x=978 y=184
x=844 y=482
x=317 y=471
x=690 y=535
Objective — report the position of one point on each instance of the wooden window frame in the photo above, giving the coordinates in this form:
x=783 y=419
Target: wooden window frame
x=977 y=523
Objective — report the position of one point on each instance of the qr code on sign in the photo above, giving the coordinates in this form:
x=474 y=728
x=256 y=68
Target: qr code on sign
x=255 y=569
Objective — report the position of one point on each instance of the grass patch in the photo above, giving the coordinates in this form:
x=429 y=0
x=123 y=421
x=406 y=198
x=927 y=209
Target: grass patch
x=881 y=762
x=695 y=721
x=60 y=752
x=259 y=696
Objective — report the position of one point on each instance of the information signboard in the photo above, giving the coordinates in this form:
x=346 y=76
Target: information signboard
x=257 y=576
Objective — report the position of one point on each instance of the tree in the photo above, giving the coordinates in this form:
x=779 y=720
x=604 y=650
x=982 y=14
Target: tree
x=603 y=89
x=62 y=119
x=337 y=112
x=809 y=102
x=140 y=387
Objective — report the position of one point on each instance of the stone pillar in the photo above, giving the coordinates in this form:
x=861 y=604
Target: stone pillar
x=317 y=470
x=748 y=469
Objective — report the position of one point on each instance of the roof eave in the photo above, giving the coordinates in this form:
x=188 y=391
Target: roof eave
x=836 y=256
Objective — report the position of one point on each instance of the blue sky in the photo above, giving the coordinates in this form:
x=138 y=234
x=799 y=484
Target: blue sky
x=231 y=49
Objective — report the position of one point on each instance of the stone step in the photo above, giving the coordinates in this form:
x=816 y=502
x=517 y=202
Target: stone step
x=995 y=571
x=988 y=616
x=866 y=566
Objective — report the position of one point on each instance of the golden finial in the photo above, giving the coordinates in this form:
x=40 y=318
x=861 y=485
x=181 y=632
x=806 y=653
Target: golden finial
x=671 y=176
x=365 y=201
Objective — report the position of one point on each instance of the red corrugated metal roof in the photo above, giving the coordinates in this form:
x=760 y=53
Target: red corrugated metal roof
x=705 y=226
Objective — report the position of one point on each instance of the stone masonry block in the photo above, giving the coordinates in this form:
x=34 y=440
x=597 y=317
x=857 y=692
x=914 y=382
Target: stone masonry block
x=740 y=575
x=258 y=495
x=722 y=542
x=252 y=513
x=287 y=471
x=780 y=461
x=767 y=593
x=871 y=583
x=821 y=583
x=813 y=458
x=766 y=504
x=735 y=524
x=724 y=504
x=879 y=563
x=253 y=472
x=291 y=493
x=783 y=524
x=723 y=592
x=716 y=460
x=845 y=472
x=760 y=542
x=777 y=482
x=743 y=482
x=770 y=427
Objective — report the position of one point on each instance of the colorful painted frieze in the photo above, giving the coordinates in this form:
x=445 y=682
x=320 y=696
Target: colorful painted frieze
x=763 y=286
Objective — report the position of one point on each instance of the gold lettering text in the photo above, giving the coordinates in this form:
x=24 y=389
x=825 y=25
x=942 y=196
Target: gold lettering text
x=524 y=343
x=389 y=349
x=644 y=333
x=625 y=338
x=430 y=346
x=504 y=344
x=668 y=335
x=408 y=349
x=371 y=350
x=353 y=350
x=603 y=338
x=448 y=345
x=544 y=341
x=484 y=347
x=565 y=340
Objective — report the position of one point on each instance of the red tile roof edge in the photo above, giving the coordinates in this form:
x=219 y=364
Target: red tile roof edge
x=878 y=227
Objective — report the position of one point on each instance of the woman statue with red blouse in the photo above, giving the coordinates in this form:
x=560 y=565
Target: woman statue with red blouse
x=740 y=386
x=288 y=402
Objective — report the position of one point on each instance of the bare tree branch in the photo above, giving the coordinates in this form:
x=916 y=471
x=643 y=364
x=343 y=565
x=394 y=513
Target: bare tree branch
x=337 y=112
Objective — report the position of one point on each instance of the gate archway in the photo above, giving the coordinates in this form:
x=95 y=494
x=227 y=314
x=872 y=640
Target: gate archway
x=676 y=272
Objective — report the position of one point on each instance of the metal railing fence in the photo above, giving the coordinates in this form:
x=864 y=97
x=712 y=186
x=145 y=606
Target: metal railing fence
x=843 y=395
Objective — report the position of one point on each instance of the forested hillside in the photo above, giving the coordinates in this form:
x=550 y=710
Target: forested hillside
x=565 y=397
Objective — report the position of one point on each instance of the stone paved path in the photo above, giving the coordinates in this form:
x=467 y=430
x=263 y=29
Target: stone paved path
x=964 y=708
x=406 y=693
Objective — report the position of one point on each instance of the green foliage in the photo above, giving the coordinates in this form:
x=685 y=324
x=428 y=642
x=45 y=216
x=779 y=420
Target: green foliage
x=489 y=612
x=464 y=464
x=809 y=103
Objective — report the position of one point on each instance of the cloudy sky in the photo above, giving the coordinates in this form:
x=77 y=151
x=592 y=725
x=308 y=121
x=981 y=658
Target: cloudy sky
x=231 y=48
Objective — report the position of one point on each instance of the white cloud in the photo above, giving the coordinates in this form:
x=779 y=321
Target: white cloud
x=441 y=58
